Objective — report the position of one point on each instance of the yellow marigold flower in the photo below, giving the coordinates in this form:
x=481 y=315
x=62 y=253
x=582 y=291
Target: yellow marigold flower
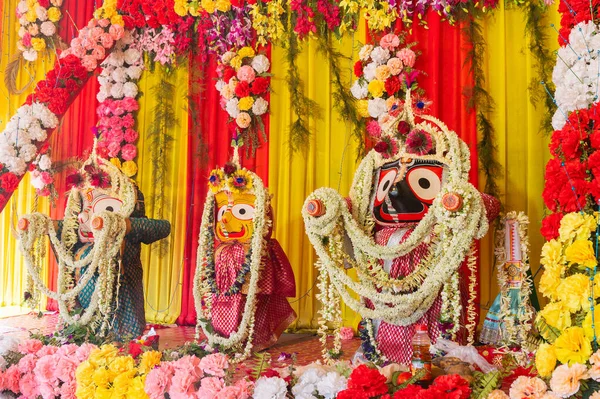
x=552 y=253
x=581 y=252
x=129 y=168
x=362 y=107
x=149 y=360
x=550 y=281
x=38 y=44
x=116 y=162
x=573 y=292
x=101 y=377
x=246 y=103
x=84 y=391
x=556 y=315
x=121 y=364
x=246 y=52
x=54 y=14
x=576 y=225
x=572 y=346
x=376 y=88
x=208 y=6
x=31 y=3
x=223 y=5
x=587 y=323
x=545 y=360
x=122 y=382
x=84 y=372
x=104 y=352
x=236 y=63
x=31 y=15
x=136 y=388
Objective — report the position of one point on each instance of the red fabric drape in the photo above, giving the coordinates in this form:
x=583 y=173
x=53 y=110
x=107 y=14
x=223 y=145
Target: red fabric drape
x=215 y=134
x=74 y=137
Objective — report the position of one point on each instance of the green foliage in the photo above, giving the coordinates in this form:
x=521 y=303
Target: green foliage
x=589 y=387
x=547 y=331
x=76 y=334
x=485 y=383
x=262 y=363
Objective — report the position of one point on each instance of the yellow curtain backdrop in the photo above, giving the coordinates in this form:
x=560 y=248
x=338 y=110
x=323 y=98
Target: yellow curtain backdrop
x=329 y=162
x=12 y=266
x=521 y=149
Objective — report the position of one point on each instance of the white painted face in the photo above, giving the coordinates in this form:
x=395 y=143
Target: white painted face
x=93 y=202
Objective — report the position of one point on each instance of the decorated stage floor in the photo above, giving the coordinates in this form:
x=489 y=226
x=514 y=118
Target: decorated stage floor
x=306 y=346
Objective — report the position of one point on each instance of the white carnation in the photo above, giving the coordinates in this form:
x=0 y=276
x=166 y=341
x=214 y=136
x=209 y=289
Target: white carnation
x=7 y=150
x=119 y=75
x=359 y=91
x=232 y=107
x=130 y=89
x=260 y=106
x=45 y=163
x=369 y=71
x=220 y=84
x=365 y=52
x=260 y=63
x=16 y=165
x=132 y=56
x=22 y=31
x=22 y=7
x=28 y=152
x=134 y=72
x=25 y=121
x=44 y=115
x=380 y=55
x=270 y=388
x=101 y=96
x=225 y=58
x=116 y=91
x=105 y=88
x=377 y=107
x=30 y=55
x=36 y=132
x=103 y=80
x=41 y=13
x=116 y=58
x=330 y=385
x=48 y=28
x=36 y=181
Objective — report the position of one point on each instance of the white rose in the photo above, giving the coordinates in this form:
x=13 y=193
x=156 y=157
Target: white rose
x=41 y=13
x=30 y=55
x=132 y=56
x=270 y=388
x=45 y=162
x=369 y=71
x=28 y=152
x=261 y=64
x=48 y=28
x=16 y=165
x=330 y=385
x=380 y=55
x=130 y=89
x=260 y=106
x=232 y=107
x=134 y=72
x=365 y=52
x=116 y=91
x=359 y=91
x=377 y=107
x=119 y=75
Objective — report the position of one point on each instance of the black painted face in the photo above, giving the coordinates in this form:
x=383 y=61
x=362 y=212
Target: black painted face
x=407 y=200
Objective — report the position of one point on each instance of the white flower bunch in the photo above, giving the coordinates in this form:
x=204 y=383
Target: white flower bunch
x=316 y=381
x=37 y=26
x=270 y=388
x=120 y=72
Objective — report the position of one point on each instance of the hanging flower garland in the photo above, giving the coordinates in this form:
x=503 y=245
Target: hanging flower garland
x=38 y=23
x=456 y=228
x=233 y=179
x=385 y=72
x=42 y=174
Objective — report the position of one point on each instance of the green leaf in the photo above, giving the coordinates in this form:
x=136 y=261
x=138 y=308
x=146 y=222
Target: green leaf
x=484 y=384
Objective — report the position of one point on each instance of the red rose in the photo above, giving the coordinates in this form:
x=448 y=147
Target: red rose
x=9 y=182
x=260 y=86
x=410 y=392
x=352 y=394
x=451 y=386
x=229 y=168
x=242 y=89
x=358 y=69
x=392 y=85
x=368 y=380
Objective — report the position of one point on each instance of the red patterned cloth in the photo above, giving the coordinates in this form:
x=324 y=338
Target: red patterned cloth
x=273 y=312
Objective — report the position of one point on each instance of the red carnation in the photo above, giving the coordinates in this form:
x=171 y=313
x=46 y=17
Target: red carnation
x=392 y=85
x=410 y=392
x=368 y=380
x=403 y=128
x=242 y=89
x=9 y=182
x=269 y=373
x=237 y=3
x=550 y=225
x=358 y=69
x=228 y=73
x=260 y=86
x=44 y=3
x=134 y=349
x=451 y=386
x=352 y=394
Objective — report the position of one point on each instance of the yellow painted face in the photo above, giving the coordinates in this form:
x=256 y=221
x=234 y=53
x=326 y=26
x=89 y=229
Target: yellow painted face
x=235 y=214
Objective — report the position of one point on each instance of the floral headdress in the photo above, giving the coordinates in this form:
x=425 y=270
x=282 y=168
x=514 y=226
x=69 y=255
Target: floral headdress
x=232 y=178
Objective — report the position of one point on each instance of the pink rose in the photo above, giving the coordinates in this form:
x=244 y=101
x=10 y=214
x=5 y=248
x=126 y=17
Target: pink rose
x=158 y=381
x=106 y=40
x=83 y=352
x=98 y=52
x=88 y=62
x=389 y=41
x=407 y=56
x=30 y=346
x=26 y=40
x=131 y=135
x=346 y=333
x=246 y=74
x=12 y=375
x=128 y=152
x=113 y=149
x=67 y=390
x=27 y=363
x=28 y=386
x=45 y=369
x=116 y=31
x=215 y=364
x=103 y=22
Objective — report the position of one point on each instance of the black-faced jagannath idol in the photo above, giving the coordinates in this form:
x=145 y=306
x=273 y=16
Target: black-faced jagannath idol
x=243 y=277
x=407 y=228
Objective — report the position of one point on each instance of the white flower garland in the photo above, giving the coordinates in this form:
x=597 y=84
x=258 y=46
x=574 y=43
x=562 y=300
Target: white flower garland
x=455 y=231
x=515 y=328
x=202 y=292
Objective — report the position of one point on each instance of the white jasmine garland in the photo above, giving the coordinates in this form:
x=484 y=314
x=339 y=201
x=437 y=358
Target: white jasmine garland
x=270 y=388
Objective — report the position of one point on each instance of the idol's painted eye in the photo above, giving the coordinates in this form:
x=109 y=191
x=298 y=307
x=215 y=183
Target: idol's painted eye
x=425 y=182
x=243 y=211
x=386 y=181
x=221 y=212
x=109 y=204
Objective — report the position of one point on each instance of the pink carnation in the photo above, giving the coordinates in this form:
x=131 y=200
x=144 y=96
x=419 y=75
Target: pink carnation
x=131 y=135
x=115 y=135
x=98 y=52
x=116 y=122
x=67 y=350
x=48 y=391
x=189 y=364
x=30 y=346
x=103 y=22
x=27 y=363
x=215 y=364
x=83 y=352
x=389 y=41
x=128 y=152
x=210 y=387
x=407 y=56
x=113 y=149
x=182 y=384
x=116 y=31
x=45 y=369
x=47 y=350
x=26 y=39
x=231 y=392
x=65 y=368
x=246 y=74
x=103 y=109
x=346 y=333
x=88 y=61
x=117 y=108
x=106 y=40
x=28 y=386
x=130 y=104
x=158 y=381
x=67 y=390
x=128 y=121
x=245 y=387
x=373 y=129
x=12 y=376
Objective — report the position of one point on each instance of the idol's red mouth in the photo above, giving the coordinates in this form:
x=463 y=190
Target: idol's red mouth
x=236 y=234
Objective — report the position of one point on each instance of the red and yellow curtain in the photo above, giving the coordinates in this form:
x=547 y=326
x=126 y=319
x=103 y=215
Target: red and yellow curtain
x=202 y=142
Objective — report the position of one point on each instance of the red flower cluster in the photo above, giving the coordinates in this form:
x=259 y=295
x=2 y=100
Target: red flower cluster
x=151 y=13
x=444 y=387
x=9 y=182
x=574 y=12
x=61 y=85
x=365 y=382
